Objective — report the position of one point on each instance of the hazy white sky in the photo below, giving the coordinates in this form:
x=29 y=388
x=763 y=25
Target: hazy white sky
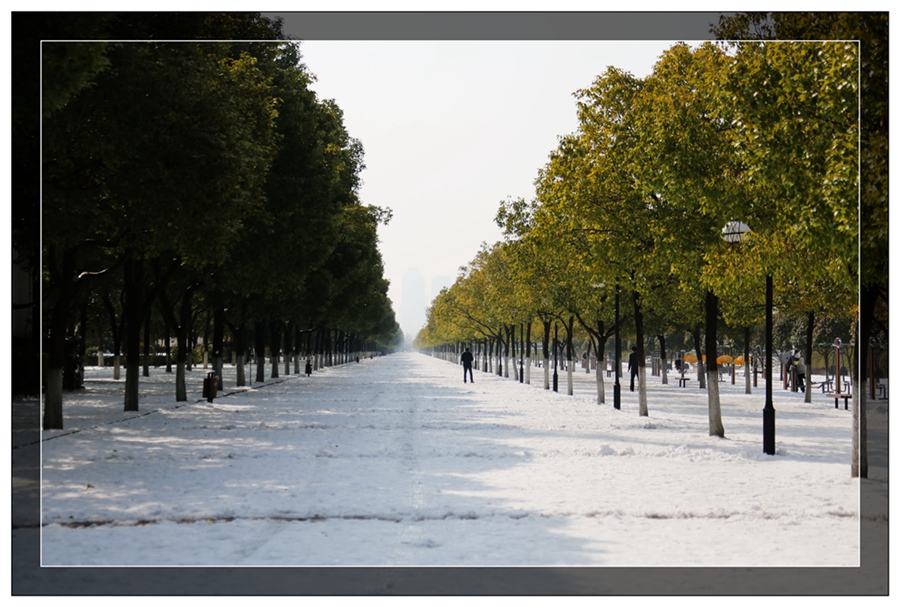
x=450 y=130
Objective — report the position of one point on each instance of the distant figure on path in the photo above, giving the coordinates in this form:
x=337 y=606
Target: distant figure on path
x=801 y=370
x=466 y=359
x=633 y=365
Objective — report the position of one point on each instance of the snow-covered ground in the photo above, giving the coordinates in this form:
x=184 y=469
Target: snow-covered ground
x=395 y=462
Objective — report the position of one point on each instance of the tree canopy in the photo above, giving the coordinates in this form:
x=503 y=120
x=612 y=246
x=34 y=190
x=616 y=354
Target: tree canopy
x=200 y=175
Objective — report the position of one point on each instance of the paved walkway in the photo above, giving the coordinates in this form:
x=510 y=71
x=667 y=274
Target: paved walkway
x=420 y=462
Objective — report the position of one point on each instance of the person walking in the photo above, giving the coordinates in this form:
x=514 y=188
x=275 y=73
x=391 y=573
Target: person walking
x=633 y=365
x=466 y=359
x=800 y=366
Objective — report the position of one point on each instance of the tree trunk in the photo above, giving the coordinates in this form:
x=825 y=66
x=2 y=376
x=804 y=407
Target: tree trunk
x=80 y=336
x=314 y=337
x=239 y=337
x=505 y=352
x=146 y=365
x=274 y=345
x=191 y=342
x=135 y=307
x=642 y=367
x=218 y=346
x=288 y=349
x=546 y=345
x=259 y=336
x=859 y=460
x=511 y=336
x=810 y=328
x=297 y=342
x=600 y=367
x=56 y=345
x=168 y=352
x=712 y=370
x=663 y=359
x=182 y=338
x=116 y=327
x=570 y=327
x=747 y=360
x=180 y=327
x=527 y=352
x=701 y=375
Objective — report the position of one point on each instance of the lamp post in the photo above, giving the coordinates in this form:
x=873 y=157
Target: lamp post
x=733 y=232
x=769 y=409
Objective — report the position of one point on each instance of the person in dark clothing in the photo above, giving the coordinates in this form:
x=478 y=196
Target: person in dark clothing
x=800 y=366
x=466 y=359
x=633 y=365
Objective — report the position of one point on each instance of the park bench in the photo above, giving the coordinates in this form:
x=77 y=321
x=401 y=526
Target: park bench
x=846 y=398
x=682 y=381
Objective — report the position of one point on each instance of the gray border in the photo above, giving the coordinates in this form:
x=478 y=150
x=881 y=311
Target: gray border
x=498 y=26
x=869 y=579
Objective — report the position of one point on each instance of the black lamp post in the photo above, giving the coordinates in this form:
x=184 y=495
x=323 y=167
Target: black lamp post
x=734 y=232
x=769 y=410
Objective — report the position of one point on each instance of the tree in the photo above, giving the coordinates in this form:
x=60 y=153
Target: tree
x=114 y=171
x=838 y=68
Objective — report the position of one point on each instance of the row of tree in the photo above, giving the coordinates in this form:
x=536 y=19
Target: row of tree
x=179 y=176
x=631 y=209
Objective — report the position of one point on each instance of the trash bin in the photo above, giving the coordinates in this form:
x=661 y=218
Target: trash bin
x=210 y=386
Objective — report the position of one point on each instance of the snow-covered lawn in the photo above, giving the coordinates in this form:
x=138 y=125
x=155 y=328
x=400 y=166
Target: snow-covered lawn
x=394 y=461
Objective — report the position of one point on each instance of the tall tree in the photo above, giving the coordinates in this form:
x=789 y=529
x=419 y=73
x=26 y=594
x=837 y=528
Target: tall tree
x=690 y=171
x=134 y=163
x=841 y=69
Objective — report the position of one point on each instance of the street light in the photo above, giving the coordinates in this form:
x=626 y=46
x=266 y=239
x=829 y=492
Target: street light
x=733 y=233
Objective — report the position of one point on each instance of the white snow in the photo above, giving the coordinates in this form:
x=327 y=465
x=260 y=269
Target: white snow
x=393 y=461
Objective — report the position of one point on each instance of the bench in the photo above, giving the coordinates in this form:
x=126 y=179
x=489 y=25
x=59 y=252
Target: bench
x=846 y=398
x=826 y=385
x=682 y=381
